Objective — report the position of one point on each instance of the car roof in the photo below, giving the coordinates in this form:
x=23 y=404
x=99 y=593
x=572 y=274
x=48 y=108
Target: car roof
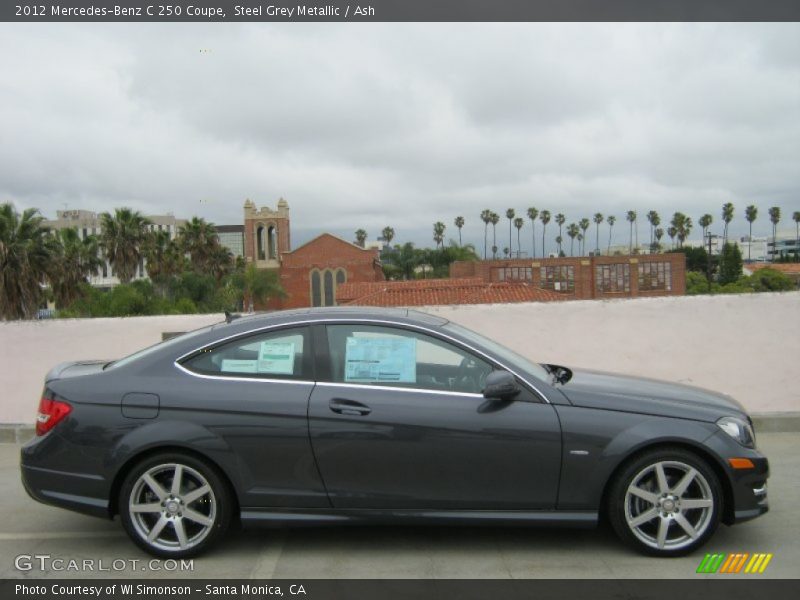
x=400 y=315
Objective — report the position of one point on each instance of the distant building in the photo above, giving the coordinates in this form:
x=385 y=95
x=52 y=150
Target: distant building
x=232 y=238
x=266 y=234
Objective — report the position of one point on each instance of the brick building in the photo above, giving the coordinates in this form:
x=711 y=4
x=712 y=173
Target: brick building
x=585 y=278
x=266 y=234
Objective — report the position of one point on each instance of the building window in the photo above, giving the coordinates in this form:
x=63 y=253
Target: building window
x=341 y=276
x=328 y=282
x=559 y=278
x=272 y=242
x=612 y=278
x=512 y=274
x=316 y=295
x=261 y=248
x=655 y=276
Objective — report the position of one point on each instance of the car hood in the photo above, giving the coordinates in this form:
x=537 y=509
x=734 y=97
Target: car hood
x=608 y=391
x=75 y=369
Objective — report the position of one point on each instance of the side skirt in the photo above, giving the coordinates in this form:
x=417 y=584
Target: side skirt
x=284 y=517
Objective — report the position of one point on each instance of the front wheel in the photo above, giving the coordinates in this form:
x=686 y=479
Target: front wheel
x=665 y=502
x=174 y=505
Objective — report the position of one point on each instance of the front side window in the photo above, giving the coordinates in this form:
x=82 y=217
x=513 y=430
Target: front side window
x=375 y=355
x=279 y=354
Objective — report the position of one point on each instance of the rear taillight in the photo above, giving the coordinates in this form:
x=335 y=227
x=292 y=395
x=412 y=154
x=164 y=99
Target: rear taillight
x=51 y=412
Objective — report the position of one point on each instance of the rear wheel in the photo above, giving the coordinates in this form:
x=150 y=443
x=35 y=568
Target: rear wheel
x=174 y=505
x=665 y=502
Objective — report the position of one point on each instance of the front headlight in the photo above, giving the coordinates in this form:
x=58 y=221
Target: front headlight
x=738 y=429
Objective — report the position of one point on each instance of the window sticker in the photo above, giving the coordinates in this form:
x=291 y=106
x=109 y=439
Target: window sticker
x=389 y=359
x=238 y=366
x=276 y=358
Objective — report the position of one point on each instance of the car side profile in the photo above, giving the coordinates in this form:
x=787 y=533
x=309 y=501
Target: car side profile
x=342 y=415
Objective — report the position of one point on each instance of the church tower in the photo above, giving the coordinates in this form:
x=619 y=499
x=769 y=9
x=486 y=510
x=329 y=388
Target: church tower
x=266 y=234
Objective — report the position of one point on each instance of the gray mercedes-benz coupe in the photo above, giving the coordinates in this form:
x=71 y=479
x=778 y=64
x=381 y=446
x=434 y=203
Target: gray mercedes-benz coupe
x=372 y=416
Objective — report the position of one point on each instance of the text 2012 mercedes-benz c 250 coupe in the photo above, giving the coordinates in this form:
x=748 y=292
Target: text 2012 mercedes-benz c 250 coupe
x=383 y=416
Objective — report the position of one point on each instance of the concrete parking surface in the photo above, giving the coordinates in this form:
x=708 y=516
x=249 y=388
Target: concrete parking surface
x=29 y=528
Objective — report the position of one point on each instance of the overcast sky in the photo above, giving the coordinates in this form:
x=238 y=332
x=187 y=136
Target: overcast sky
x=362 y=125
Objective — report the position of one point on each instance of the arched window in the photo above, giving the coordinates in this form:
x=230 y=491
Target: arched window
x=328 y=288
x=341 y=276
x=272 y=242
x=260 y=243
x=316 y=295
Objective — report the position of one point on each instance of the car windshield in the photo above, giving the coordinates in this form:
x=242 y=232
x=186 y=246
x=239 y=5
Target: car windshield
x=503 y=353
x=159 y=346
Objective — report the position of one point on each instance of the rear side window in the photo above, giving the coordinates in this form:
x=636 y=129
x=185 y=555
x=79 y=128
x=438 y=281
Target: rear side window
x=283 y=354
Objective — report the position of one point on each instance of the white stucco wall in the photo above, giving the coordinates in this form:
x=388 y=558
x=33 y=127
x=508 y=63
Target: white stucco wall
x=747 y=345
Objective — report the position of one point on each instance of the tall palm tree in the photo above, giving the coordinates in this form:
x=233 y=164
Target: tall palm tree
x=682 y=225
x=199 y=239
x=655 y=220
x=25 y=253
x=220 y=262
x=518 y=223
x=163 y=257
x=459 y=223
x=74 y=260
x=544 y=217
x=705 y=222
x=495 y=220
x=610 y=220
x=510 y=214
x=631 y=217
x=257 y=285
x=438 y=233
x=796 y=219
x=672 y=231
x=727 y=217
x=775 y=218
x=598 y=218
x=559 y=239
x=751 y=214
x=584 y=224
x=122 y=237
x=659 y=233
x=580 y=243
x=388 y=235
x=572 y=232
x=533 y=212
x=361 y=237
x=560 y=219
x=486 y=217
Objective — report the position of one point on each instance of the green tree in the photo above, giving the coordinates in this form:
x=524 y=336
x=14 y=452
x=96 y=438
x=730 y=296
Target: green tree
x=560 y=219
x=123 y=235
x=388 y=235
x=631 y=217
x=25 y=253
x=775 y=218
x=751 y=214
x=655 y=220
x=572 y=232
x=544 y=217
x=598 y=219
x=659 y=233
x=727 y=217
x=199 y=239
x=610 y=220
x=518 y=223
x=73 y=261
x=533 y=212
x=495 y=221
x=796 y=219
x=584 y=224
x=438 y=233
x=672 y=231
x=510 y=214
x=486 y=217
x=257 y=286
x=459 y=223
x=731 y=264
x=361 y=237
x=163 y=257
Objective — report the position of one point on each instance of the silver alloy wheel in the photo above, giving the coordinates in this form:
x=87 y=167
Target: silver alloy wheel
x=669 y=505
x=172 y=507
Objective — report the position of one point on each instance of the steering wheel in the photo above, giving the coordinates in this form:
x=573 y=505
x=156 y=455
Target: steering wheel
x=470 y=377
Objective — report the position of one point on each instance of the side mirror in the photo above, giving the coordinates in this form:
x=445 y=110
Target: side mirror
x=500 y=385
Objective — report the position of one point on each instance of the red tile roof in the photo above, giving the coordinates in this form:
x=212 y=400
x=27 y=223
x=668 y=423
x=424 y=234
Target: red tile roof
x=431 y=292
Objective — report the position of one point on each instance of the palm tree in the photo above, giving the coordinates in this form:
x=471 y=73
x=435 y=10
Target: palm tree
x=510 y=214
x=74 y=260
x=518 y=223
x=438 y=233
x=257 y=285
x=584 y=224
x=796 y=218
x=672 y=231
x=361 y=237
x=572 y=232
x=199 y=239
x=659 y=233
x=388 y=235
x=705 y=222
x=580 y=243
x=220 y=262
x=751 y=214
x=610 y=220
x=486 y=217
x=163 y=258
x=727 y=217
x=631 y=217
x=775 y=218
x=459 y=223
x=533 y=212
x=598 y=218
x=123 y=235
x=544 y=217
x=655 y=220
x=560 y=219
x=25 y=252
x=682 y=225
x=495 y=221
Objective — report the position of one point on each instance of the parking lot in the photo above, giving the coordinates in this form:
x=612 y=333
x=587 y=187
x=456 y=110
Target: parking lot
x=29 y=529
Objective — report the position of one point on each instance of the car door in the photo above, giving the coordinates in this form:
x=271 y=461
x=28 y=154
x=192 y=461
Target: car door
x=253 y=392
x=399 y=422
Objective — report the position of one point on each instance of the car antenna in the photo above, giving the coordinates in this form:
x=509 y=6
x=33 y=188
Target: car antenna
x=231 y=317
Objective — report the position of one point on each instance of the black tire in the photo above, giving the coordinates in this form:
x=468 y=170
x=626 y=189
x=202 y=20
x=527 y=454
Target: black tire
x=681 y=521
x=202 y=517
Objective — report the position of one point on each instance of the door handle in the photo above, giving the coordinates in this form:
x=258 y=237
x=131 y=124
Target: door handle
x=349 y=407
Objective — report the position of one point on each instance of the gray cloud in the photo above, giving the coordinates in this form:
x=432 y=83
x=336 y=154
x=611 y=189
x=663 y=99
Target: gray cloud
x=368 y=125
